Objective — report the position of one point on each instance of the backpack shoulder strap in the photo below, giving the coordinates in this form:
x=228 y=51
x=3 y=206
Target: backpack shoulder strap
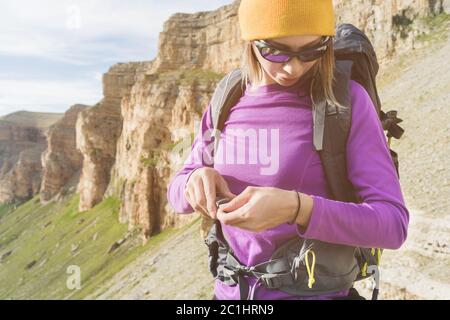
x=335 y=127
x=331 y=127
x=227 y=94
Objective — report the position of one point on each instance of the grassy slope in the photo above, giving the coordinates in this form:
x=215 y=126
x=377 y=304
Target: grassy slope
x=56 y=236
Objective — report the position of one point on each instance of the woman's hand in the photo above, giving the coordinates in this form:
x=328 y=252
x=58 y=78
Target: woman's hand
x=202 y=188
x=259 y=208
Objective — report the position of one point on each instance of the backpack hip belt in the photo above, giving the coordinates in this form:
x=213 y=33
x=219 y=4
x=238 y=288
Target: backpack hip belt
x=299 y=267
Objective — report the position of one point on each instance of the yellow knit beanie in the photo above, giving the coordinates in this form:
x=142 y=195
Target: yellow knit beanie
x=266 y=19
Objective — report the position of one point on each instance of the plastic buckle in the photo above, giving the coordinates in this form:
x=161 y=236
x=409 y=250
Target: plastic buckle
x=331 y=110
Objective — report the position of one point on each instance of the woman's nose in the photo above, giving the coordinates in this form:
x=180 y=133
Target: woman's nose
x=293 y=66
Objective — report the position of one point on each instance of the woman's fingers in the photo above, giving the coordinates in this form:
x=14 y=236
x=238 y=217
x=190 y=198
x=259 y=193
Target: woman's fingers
x=223 y=189
x=190 y=197
x=210 y=194
x=234 y=217
x=202 y=189
x=235 y=211
x=200 y=200
x=238 y=201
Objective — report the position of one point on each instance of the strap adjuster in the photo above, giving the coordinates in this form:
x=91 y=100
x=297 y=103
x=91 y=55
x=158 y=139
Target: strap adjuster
x=270 y=281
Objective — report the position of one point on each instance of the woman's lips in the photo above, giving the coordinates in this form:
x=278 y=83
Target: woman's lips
x=287 y=79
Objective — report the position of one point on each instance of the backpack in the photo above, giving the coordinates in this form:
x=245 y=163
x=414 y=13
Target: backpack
x=289 y=268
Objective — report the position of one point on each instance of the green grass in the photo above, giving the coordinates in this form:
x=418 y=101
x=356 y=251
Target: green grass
x=4 y=210
x=437 y=21
x=438 y=28
x=47 y=234
x=95 y=285
x=438 y=31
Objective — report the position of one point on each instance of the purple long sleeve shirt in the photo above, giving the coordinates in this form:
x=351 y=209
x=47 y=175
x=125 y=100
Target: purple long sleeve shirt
x=267 y=142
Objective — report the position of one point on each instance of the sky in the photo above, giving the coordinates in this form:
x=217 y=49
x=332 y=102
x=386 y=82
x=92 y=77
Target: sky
x=53 y=52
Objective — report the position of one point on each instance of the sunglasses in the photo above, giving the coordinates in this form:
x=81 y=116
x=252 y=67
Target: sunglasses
x=273 y=54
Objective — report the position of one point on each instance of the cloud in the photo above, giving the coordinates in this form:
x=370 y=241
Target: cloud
x=75 y=31
x=46 y=96
x=53 y=52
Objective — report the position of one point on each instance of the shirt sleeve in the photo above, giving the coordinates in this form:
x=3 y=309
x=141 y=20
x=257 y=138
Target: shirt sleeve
x=381 y=219
x=199 y=156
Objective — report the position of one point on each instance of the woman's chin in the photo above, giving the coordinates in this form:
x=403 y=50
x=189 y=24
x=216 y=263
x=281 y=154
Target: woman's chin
x=286 y=82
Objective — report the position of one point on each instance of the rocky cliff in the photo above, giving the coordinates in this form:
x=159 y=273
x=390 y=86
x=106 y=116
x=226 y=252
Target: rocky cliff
x=159 y=111
x=394 y=25
x=98 y=129
x=22 y=141
x=61 y=160
x=205 y=40
x=211 y=40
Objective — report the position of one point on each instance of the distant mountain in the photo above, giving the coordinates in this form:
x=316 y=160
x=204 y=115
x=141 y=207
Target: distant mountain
x=39 y=120
x=23 y=139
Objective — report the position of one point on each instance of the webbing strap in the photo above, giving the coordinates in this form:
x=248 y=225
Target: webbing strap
x=274 y=274
x=319 y=124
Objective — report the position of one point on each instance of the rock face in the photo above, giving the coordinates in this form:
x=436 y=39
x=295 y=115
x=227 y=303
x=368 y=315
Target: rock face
x=22 y=141
x=61 y=161
x=159 y=108
x=391 y=25
x=211 y=40
x=205 y=40
x=98 y=129
x=22 y=182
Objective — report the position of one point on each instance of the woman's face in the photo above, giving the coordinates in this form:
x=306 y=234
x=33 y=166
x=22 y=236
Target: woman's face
x=286 y=74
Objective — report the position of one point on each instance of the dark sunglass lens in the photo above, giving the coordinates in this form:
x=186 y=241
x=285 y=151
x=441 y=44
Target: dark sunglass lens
x=278 y=58
x=311 y=55
x=273 y=55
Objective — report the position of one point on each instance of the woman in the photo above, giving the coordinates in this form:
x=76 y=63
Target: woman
x=276 y=181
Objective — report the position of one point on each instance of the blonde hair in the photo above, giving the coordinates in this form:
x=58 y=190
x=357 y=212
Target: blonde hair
x=252 y=72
